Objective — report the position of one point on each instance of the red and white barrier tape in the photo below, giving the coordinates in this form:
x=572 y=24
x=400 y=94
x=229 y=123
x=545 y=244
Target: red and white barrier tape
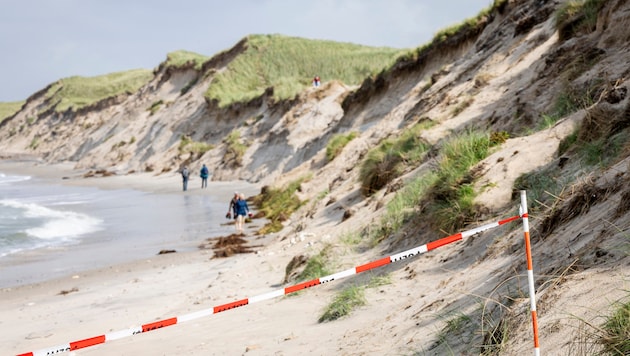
x=75 y=345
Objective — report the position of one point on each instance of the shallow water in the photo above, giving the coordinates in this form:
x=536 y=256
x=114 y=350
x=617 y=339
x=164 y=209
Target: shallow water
x=49 y=231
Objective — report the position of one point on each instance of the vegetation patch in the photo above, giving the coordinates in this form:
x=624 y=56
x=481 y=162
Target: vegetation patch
x=404 y=206
x=615 y=336
x=458 y=326
x=316 y=266
x=8 y=109
x=235 y=149
x=337 y=143
x=470 y=25
x=577 y=17
x=278 y=204
x=350 y=298
x=451 y=203
x=155 y=106
x=179 y=59
x=578 y=202
x=34 y=143
x=446 y=194
x=78 y=92
x=288 y=64
x=612 y=337
x=186 y=144
x=351 y=238
x=391 y=158
x=599 y=140
x=344 y=303
x=463 y=105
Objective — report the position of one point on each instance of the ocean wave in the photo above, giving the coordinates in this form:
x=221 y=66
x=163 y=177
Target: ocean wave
x=8 y=179
x=55 y=224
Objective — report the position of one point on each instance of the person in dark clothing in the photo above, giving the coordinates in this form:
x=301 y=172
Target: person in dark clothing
x=232 y=208
x=185 y=175
x=241 y=212
x=204 y=176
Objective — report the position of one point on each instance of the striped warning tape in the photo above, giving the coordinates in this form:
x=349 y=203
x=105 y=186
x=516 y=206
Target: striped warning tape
x=75 y=345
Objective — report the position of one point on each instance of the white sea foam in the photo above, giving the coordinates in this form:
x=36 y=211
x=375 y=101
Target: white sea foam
x=55 y=224
x=8 y=179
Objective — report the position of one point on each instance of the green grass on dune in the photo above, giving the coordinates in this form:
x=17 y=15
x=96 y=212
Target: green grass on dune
x=288 y=64
x=181 y=58
x=8 y=109
x=77 y=92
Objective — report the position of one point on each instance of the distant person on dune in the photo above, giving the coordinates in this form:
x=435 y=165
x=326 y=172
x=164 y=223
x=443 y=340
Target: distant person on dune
x=316 y=81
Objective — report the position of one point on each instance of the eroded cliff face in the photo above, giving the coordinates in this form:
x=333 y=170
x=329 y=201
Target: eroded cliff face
x=506 y=73
x=456 y=83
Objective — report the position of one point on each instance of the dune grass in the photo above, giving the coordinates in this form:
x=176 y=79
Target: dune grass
x=337 y=143
x=9 y=108
x=277 y=204
x=576 y=16
x=78 y=92
x=317 y=266
x=460 y=28
x=235 y=148
x=186 y=144
x=447 y=191
x=183 y=58
x=611 y=336
x=391 y=158
x=343 y=304
x=452 y=206
x=351 y=298
x=402 y=207
x=615 y=336
x=288 y=64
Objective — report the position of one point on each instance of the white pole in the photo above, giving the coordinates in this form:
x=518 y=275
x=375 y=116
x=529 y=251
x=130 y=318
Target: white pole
x=530 y=271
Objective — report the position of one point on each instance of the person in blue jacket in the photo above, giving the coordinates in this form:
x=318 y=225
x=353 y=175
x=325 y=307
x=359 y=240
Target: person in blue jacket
x=204 y=176
x=242 y=210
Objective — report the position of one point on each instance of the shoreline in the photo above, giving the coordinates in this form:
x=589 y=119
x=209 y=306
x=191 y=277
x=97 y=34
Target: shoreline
x=41 y=264
x=102 y=299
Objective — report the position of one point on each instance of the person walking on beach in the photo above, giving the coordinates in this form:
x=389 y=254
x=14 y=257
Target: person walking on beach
x=185 y=175
x=232 y=208
x=241 y=212
x=204 y=176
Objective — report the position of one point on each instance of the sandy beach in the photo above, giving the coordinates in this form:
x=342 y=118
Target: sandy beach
x=96 y=301
x=93 y=302
x=402 y=317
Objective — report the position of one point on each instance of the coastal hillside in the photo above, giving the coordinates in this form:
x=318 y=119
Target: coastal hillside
x=394 y=150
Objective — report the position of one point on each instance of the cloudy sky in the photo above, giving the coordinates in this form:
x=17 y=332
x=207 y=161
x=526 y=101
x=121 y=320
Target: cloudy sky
x=42 y=41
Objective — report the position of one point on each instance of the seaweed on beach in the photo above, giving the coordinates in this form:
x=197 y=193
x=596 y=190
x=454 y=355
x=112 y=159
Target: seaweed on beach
x=68 y=291
x=227 y=246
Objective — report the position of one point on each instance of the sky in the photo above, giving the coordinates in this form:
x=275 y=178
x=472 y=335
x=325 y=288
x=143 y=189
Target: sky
x=42 y=41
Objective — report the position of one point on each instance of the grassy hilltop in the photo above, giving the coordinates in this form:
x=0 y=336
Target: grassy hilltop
x=288 y=64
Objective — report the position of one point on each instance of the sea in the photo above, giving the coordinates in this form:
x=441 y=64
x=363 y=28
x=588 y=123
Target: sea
x=54 y=230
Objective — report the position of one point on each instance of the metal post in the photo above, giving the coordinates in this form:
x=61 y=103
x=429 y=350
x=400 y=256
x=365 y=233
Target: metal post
x=530 y=271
